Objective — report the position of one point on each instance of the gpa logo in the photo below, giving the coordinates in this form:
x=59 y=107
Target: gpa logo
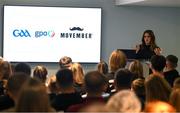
x=44 y=33
x=21 y=33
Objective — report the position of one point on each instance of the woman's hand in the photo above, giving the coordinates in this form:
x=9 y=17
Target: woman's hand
x=137 y=48
x=158 y=51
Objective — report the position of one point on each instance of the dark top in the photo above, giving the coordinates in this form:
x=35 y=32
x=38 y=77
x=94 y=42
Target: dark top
x=145 y=52
x=62 y=101
x=170 y=76
x=79 y=88
x=6 y=102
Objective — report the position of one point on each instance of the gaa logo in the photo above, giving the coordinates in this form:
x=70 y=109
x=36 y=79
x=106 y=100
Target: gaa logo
x=21 y=33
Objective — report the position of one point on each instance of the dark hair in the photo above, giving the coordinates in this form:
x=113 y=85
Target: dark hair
x=64 y=78
x=94 y=81
x=123 y=79
x=158 y=62
x=172 y=59
x=23 y=67
x=153 y=42
x=65 y=62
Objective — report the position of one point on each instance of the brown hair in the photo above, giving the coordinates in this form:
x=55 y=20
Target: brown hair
x=157 y=88
x=175 y=99
x=33 y=97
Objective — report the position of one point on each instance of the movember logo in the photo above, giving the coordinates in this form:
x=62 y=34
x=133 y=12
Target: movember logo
x=76 y=32
x=76 y=29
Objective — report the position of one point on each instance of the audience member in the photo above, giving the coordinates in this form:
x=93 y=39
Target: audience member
x=78 y=76
x=65 y=62
x=124 y=101
x=14 y=85
x=158 y=63
x=176 y=83
x=102 y=67
x=67 y=95
x=40 y=72
x=95 y=84
x=33 y=97
x=157 y=89
x=123 y=79
x=136 y=68
x=139 y=88
x=175 y=99
x=171 y=73
x=117 y=60
x=159 y=107
x=23 y=67
x=5 y=73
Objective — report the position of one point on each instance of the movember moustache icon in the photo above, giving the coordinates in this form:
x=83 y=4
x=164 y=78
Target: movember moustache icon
x=76 y=28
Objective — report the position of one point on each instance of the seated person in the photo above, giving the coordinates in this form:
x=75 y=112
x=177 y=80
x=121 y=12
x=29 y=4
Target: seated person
x=171 y=73
x=66 y=95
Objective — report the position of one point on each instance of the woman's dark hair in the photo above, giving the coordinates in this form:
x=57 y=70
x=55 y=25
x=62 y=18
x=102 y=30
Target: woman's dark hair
x=153 y=39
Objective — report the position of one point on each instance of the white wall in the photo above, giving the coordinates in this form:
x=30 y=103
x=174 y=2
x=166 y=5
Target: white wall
x=122 y=26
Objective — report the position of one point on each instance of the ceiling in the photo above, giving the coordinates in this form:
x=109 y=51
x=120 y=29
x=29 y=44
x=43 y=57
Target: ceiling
x=159 y=3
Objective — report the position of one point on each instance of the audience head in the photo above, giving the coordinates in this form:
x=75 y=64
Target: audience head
x=124 y=101
x=78 y=73
x=136 y=68
x=158 y=62
x=123 y=79
x=148 y=38
x=23 y=67
x=176 y=83
x=33 y=97
x=95 y=82
x=171 y=61
x=175 y=99
x=40 y=72
x=64 y=78
x=15 y=83
x=102 y=67
x=159 y=107
x=65 y=62
x=157 y=88
x=138 y=86
x=117 y=60
x=5 y=70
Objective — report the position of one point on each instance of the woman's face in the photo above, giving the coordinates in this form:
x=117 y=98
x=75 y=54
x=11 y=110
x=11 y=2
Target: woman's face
x=147 y=39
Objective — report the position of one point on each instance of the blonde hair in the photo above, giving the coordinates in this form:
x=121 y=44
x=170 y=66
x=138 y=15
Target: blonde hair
x=117 y=60
x=136 y=68
x=78 y=73
x=124 y=101
x=40 y=72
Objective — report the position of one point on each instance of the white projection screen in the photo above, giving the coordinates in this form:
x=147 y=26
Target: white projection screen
x=45 y=34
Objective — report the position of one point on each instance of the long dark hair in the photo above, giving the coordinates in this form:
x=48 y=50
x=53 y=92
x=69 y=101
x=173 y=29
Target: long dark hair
x=153 y=39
